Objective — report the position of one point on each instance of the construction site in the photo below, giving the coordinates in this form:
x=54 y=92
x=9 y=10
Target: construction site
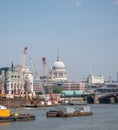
x=23 y=84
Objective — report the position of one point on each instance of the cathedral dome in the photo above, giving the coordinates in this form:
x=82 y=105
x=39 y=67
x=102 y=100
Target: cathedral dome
x=58 y=72
x=58 y=64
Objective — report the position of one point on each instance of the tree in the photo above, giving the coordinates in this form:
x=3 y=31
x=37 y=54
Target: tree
x=57 y=89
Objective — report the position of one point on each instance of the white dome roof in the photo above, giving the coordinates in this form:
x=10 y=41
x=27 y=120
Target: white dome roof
x=58 y=64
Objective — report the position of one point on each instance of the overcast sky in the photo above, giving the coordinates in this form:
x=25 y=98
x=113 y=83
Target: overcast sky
x=85 y=32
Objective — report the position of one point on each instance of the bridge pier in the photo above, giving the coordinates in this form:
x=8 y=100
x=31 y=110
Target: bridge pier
x=85 y=100
x=96 y=100
x=112 y=100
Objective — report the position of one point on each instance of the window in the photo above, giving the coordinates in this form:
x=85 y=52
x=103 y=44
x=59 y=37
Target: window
x=55 y=74
x=60 y=74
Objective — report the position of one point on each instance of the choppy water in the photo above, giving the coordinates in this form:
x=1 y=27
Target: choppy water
x=105 y=117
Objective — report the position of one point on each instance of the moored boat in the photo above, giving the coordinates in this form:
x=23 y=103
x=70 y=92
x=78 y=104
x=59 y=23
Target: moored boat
x=77 y=103
x=7 y=116
x=70 y=112
x=29 y=106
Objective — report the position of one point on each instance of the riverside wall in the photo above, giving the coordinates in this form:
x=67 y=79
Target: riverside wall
x=14 y=103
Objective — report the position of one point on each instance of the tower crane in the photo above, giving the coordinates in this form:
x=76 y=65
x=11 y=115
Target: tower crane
x=47 y=75
x=23 y=61
x=45 y=69
x=36 y=72
x=22 y=69
x=27 y=76
x=37 y=75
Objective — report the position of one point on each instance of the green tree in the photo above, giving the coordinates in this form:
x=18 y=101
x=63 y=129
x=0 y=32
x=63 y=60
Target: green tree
x=57 y=89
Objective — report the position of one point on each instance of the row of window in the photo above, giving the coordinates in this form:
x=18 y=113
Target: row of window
x=58 y=75
x=14 y=76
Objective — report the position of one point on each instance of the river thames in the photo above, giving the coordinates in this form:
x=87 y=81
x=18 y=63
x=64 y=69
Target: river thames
x=105 y=117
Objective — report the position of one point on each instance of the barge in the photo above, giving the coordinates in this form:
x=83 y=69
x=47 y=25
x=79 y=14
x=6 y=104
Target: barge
x=70 y=112
x=7 y=116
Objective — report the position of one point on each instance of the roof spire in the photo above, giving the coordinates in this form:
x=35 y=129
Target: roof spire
x=12 y=66
x=58 y=56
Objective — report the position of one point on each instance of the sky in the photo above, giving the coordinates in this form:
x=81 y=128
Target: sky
x=84 y=32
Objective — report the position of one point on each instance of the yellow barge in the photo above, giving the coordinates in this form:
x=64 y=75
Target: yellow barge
x=7 y=116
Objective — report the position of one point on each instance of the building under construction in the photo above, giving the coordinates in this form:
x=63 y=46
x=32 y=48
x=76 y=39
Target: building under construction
x=17 y=80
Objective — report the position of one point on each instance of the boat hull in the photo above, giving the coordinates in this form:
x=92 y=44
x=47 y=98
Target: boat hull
x=20 y=117
x=62 y=114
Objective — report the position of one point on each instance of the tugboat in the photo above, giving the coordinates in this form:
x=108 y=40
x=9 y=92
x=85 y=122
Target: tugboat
x=70 y=112
x=7 y=116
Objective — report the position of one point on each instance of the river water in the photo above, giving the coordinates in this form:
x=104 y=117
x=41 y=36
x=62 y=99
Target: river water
x=105 y=117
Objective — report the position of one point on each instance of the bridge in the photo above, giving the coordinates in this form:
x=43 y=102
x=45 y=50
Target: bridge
x=103 y=95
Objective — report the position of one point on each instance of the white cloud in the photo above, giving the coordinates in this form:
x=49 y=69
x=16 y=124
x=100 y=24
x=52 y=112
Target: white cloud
x=78 y=3
x=115 y=2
